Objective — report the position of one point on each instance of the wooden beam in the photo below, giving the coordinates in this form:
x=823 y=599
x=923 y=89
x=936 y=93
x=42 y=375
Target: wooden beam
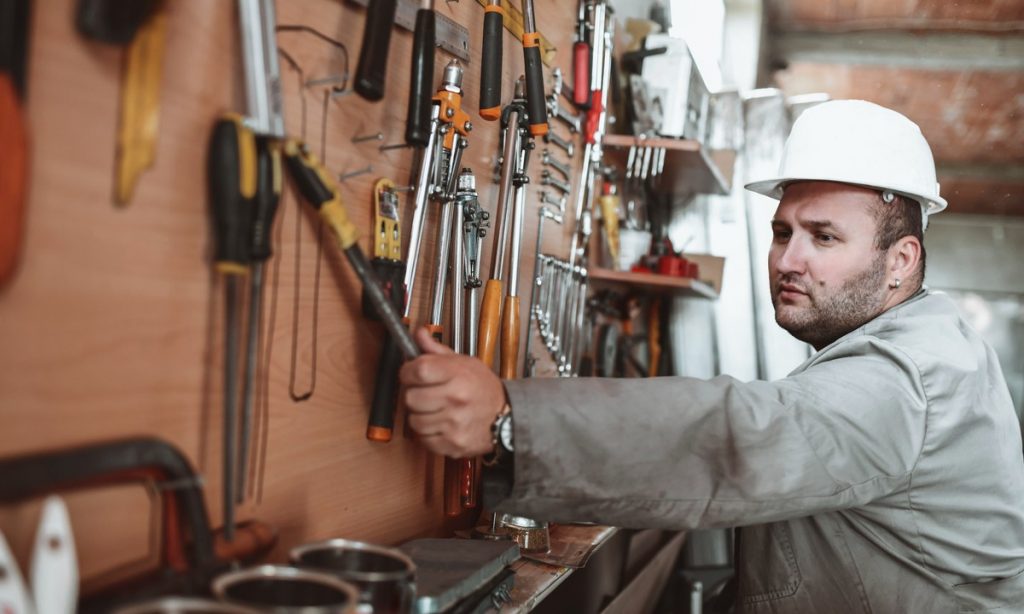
x=931 y=51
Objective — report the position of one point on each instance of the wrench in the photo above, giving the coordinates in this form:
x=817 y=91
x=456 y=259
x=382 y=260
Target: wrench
x=546 y=178
x=571 y=119
x=568 y=146
x=548 y=199
x=548 y=160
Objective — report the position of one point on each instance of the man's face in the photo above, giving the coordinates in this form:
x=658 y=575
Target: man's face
x=827 y=278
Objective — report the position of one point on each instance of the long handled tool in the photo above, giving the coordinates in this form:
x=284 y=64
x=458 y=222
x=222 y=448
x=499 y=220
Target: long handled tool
x=534 y=73
x=266 y=120
x=373 y=55
x=514 y=120
x=231 y=175
x=321 y=193
x=490 y=62
x=418 y=118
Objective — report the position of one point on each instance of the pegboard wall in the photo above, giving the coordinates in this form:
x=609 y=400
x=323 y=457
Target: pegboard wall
x=113 y=324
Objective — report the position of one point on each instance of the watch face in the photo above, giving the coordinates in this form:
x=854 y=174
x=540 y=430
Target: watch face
x=505 y=433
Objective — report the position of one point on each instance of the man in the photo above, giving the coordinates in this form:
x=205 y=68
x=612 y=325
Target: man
x=885 y=474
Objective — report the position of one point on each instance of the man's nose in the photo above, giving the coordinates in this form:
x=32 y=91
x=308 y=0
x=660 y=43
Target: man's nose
x=792 y=258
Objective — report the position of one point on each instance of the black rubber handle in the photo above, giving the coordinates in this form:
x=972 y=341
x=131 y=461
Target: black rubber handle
x=373 y=55
x=268 y=196
x=490 y=66
x=536 y=107
x=421 y=86
x=312 y=188
x=112 y=21
x=381 y=423
x=231 y=147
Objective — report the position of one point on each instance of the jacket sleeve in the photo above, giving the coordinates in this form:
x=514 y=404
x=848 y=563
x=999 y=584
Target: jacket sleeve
x=679 y=452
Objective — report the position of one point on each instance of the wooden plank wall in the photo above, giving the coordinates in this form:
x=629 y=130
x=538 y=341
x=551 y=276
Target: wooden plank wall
x=112 y=326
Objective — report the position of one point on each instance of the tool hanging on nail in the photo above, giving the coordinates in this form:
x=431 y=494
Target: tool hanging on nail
x=514 y=145
x=320 y=192
x=231 y=177
x=418 y=120
x=449 y=133
x=594 y=128
x=490 y=62
x=371 y=70
x=581 y=59
x=387 y=263
x=534 y=73
x=266 y=120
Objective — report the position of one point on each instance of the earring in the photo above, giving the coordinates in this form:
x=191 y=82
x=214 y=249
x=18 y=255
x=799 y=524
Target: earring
x=895 y=283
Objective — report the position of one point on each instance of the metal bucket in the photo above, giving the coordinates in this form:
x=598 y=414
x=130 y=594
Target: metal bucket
x=385 y=576
x=273 y=588
x=183 y=605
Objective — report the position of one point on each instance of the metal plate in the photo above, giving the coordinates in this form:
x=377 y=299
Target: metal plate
x=451 y=36
x=448 y=570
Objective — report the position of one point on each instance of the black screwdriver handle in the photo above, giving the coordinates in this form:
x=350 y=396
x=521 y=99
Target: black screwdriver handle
x=373 y=55
x=231 y=182
x=421 y=86
x=490 y=63
x=268 y=196
x=536 y=108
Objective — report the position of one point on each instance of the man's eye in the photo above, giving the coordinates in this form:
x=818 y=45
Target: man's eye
x=782 y=235
x=826 y=238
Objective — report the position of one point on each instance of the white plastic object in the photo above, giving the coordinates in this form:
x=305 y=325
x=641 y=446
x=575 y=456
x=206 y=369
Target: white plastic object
x=54 y=570
x=860 y=143
x=14 y=597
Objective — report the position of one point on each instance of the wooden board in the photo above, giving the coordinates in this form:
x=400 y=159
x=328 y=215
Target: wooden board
x=112 y=326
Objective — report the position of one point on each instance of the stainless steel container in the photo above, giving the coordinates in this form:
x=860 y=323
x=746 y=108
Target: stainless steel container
x=286 y=590
x=385 y=576
x=183 y=605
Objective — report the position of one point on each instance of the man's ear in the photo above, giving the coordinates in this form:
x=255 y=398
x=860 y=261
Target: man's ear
x=904 y=258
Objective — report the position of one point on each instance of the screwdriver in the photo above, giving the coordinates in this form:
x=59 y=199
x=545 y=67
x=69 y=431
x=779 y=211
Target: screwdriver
x=490 y=62
x=535 y=103
x=320 y=192
x=231 y=178
x=268 y=196
x=262 y=79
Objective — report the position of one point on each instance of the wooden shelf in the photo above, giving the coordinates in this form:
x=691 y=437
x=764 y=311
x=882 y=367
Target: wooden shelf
x=653 y=282
x=689 y=166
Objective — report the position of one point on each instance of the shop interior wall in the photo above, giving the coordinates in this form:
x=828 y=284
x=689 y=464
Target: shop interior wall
x=112 y=327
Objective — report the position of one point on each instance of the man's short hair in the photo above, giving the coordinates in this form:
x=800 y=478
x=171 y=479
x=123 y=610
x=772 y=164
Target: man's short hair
x=897 y=219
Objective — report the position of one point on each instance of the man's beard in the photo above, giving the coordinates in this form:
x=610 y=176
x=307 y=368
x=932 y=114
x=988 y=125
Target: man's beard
x=830 y=315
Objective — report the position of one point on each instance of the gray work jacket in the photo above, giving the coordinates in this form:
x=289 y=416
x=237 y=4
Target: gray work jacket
x=885 y=474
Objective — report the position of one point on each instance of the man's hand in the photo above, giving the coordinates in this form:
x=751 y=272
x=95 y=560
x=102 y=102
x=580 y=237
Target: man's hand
x=452 y=399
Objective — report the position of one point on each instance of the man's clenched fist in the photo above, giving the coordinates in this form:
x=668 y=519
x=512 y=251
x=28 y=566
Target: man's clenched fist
x=452 y=399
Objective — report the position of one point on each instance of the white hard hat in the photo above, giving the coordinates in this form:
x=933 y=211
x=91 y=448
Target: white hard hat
x=861 y=143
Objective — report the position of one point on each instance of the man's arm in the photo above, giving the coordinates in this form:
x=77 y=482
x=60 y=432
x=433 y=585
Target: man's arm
x=682 y=452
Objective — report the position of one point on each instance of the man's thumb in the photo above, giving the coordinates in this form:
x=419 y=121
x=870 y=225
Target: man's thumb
x=429 y=345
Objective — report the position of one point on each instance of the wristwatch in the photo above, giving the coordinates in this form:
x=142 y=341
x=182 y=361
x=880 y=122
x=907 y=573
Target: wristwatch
x=501 y=436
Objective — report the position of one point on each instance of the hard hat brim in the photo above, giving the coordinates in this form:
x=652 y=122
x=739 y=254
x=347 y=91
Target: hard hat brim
x=773 y=188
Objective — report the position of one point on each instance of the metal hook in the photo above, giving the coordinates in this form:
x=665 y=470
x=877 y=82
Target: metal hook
x=338 y=83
